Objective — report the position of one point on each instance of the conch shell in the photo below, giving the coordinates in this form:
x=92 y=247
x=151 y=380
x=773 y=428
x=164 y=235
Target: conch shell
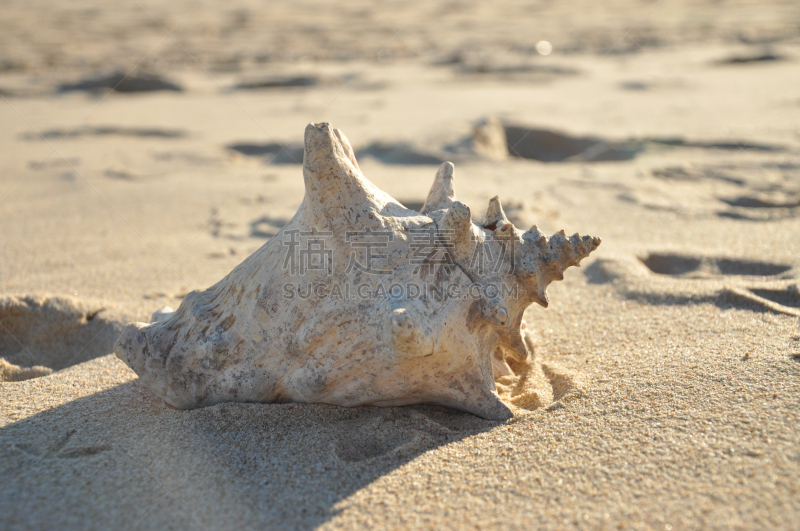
x=359 y=300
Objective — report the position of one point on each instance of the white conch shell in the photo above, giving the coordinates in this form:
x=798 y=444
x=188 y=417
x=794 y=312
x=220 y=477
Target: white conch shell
x=340 y=324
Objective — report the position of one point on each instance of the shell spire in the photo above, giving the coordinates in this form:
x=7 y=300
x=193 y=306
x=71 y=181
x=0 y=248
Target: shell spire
x=333 y=180
x=442 y=193
x=324 y=155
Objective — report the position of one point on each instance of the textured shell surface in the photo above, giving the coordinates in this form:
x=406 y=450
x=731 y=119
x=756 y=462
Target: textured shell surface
x=359 y=300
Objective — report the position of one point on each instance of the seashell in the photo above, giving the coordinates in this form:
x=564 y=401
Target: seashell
x=359 y=301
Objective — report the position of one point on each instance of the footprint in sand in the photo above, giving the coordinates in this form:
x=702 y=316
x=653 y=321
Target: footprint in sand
x=785 y=301
x=104 y=131
x=259 y=228
x=762 y=206
x=754 y=285
x=764 y=191
x=121 y=82
x=266 y=226
x=39 y=335
x=703 y=267
x=271 y=152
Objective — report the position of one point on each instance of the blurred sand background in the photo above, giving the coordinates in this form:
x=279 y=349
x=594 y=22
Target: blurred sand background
x=147 y=147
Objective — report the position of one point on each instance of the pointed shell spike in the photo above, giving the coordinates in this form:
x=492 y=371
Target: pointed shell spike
x=442 y=192
x=541 y=296
x=535 y=234
x=495 y=217
x=458 y=220
x=457 y=226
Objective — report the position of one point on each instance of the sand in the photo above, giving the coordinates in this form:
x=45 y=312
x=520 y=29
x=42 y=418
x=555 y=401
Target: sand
x=664 y=389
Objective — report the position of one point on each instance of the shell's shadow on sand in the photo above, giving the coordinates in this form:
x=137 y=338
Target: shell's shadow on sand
x=282 y=465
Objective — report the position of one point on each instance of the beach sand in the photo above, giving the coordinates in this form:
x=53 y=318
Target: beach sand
x=663 y=391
